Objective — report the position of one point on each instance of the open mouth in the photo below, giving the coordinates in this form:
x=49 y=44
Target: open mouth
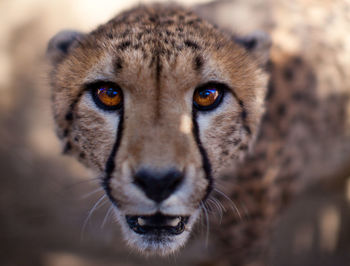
x=157 y=224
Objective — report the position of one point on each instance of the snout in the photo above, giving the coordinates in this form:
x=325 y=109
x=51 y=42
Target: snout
x=158 y=185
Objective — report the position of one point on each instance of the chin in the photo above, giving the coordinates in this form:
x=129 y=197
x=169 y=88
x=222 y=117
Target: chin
x=157 y=234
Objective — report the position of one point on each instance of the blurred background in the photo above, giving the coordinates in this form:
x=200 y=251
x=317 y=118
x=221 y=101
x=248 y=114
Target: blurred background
x=46 y=198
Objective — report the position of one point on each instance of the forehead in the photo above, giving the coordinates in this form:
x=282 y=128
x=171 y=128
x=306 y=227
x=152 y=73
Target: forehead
x=154 y=48
x=149 y=45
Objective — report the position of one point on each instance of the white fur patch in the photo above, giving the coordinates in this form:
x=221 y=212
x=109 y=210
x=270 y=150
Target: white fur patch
x=186 y=124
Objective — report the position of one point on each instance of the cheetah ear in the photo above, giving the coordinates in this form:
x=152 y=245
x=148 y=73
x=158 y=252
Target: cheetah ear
x=258 y=44
x=59 y=45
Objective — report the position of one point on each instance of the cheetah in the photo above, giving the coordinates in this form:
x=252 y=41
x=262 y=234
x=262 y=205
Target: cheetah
x=172 y=113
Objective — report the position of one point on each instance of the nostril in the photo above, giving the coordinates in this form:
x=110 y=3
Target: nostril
x=156 y=185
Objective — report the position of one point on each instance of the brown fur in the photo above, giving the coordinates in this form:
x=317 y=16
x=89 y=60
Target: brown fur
x=158 y=55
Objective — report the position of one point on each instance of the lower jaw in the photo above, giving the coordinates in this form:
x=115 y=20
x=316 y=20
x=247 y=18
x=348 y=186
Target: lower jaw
x=158 y=242
x=158 y=245
x=157 y=225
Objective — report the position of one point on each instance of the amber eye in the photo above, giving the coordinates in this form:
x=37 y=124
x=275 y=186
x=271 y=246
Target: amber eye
x=208 y=96
x=107 y=96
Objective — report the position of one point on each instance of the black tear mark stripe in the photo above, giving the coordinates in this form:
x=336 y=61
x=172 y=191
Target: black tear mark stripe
x=203 y=152
x=110 y=164
x=244 y=113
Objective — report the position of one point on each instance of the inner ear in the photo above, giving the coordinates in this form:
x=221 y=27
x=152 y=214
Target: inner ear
x=59 y=45
x=258 y=44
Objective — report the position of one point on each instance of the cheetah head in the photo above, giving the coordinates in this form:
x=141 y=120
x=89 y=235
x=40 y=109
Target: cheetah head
x=159 y=104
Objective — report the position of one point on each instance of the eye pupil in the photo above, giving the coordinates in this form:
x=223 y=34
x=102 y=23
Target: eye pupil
x=205 y=94
x=208 y=96
x=209 y=93
x=107 y=96
x=111 y=92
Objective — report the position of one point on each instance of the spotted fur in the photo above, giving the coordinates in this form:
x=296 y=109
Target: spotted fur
x=159 y=55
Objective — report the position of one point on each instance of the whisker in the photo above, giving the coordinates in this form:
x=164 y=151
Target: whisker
x=219 y=205
x=96 y=205
x=232 y=205
x=218 y=208
x=95 y=179
x=92 y=193
x=208 y=225
x=110 y=209
x=209 y=207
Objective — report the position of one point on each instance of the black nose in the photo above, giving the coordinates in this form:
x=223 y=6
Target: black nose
x=158 y=186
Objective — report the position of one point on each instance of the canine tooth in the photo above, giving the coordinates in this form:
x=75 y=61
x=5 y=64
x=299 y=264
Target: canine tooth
x=174 y=222
x=141 y=221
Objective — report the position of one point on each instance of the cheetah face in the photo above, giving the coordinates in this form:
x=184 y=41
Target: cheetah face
x=158 y=114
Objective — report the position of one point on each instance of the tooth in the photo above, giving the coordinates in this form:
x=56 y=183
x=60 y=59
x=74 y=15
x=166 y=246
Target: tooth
x=174 y=222
x=141 y=221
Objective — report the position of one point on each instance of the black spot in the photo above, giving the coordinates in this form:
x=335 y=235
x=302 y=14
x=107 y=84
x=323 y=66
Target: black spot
x=144 y=54
x=288 y=74
x=82 y=155
x=180 y=29
x=70 y=112
x=76 y=138
x=153 y=18
x=169 y=22
x=67 y=147
x=243 y=147
x=281 y=110
x=218 y=46
x=244 y=114
x=232 y=128
x=118 y=64
x=124 y=45
x=173 y=43
x=198 y=63
x=139 y=35
x=69 y=116
x=256 y=173
x=236 y=141
x=125 y=33
x=247 y=129
x=270 y=90
x=110 y=35
x=225 y=152
x=192 y=44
